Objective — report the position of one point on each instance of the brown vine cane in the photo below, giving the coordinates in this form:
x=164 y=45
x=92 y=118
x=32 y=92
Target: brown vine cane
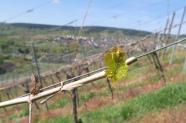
x=35 y=80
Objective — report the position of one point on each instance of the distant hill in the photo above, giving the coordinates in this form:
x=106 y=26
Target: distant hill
x=131 y=32
x=30 y=25
x=87 y=30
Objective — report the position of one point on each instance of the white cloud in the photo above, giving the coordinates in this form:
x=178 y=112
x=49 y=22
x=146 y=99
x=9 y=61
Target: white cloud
x=56 y=1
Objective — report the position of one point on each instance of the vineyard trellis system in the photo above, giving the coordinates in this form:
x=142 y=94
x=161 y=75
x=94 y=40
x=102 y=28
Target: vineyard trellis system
x=27 y=98
x=31 y=98
x=25 y=79
x=95 y=57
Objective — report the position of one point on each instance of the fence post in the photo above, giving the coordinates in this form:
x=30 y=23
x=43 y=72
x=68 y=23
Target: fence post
x=43 y=78
x=168 y=35
x=184 y=66
x=74 y=106
x=38 y=71
x=163 y=36
x=37 y=67
x=51 y=79
x=15 y=89
x=159 y=65
x=110 y=88
x=68 y=52
x=30 y=112
x=1 y=101
x=174 y=47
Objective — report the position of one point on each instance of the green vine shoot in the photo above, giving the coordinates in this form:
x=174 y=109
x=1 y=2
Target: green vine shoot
x=115 y=59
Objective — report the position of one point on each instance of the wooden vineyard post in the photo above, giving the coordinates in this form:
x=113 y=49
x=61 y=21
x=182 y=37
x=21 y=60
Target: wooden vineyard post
x=51 y=79
x=74 y=105
x=10 y=92
x=163 y=36
x=38 y=70
x=110 y=88
x=145 y=50
x=7 y=94
x=168 y=35
x=184 y=66
x=1 y=101
x=174 y=47
x=15 y=90
x=158 y=65
x=74 y=101
x=87 y=71
x=57 y=76
x=43 y=78
x=37 y=67
x=30 y=112
x=26 y=90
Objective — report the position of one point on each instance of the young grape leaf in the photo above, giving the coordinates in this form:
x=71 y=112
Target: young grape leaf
x=115 y=59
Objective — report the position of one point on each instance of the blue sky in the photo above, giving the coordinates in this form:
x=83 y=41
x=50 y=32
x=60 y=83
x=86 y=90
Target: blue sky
x=147 y=15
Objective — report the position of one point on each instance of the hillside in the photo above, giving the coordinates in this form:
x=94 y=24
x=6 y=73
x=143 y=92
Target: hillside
x=87 y=30
x=15 y=46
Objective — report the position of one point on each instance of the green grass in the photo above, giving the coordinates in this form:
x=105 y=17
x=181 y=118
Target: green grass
x=174 y=70
x=59 y=119
x=21 y=113
x=136 y=70
x=60 y=103
x=87 y=96
x=168 y=96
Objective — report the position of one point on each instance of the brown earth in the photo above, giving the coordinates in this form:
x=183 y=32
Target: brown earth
x=166 y=116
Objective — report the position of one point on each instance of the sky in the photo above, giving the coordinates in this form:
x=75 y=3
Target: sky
x=148 y=15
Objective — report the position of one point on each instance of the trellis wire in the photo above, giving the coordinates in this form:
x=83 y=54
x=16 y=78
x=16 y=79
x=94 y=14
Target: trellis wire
x=179 y=41
x=105 y=67
x=56 y=84
x=173 y=26
x=29 y=99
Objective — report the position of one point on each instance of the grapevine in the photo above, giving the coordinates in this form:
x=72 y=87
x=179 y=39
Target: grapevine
x=115 y=59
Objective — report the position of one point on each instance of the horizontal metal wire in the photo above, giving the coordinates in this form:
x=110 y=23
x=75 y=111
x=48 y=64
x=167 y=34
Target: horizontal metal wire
x=161 y=48
x=59 y=83
x=56 y=84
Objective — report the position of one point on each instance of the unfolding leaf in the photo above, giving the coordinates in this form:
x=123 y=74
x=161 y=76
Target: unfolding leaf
x=115 y=59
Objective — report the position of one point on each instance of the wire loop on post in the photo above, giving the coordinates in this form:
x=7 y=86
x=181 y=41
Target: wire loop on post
x=60 y=90
x=62 y=83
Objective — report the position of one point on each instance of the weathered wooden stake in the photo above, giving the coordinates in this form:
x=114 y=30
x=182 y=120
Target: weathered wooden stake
x=168 y=35
x=30 y=112
x=1 y=101
x=38 y=71
x=184 y=66
x=163 y=36
x=174 y=47
x=158 y=65
x=74 y=106
x=57 y=76
x=110 y=88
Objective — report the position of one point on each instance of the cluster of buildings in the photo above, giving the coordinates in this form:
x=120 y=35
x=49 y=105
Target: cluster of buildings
x=98 y=42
